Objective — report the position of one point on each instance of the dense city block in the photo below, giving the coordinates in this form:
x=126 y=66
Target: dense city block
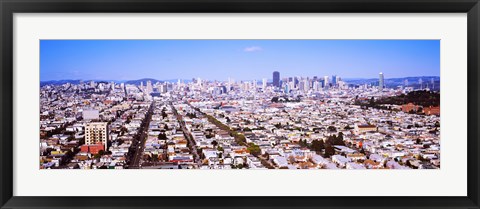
x=288 y=123
x=278 y=123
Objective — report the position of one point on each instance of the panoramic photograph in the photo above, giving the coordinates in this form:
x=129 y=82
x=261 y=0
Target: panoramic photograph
x=239 y=104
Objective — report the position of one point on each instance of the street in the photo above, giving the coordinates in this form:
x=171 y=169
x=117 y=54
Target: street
x=143 y=133
x=187 y=135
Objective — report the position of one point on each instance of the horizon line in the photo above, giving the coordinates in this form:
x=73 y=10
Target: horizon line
x=219 y=80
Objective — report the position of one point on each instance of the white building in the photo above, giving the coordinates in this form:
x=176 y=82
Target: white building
x=96 y=133
x=90 y=114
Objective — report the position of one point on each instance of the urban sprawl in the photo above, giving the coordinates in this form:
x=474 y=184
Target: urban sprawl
x=282 y=123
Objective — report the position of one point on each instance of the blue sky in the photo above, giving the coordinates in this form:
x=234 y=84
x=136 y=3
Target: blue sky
x=237 y=59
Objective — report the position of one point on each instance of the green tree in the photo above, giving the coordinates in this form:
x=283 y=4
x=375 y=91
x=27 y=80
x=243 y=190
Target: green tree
x=254 y=149
x=214 y=143
x=331 y=139
x=162 y=136
x=98 y=155
x=372 y=101
x=123 y=129
x=303 y=143
x=318 y=145
x=329 y=150
x=164 y=114
x=278 y=125
x=154 y=157
x=339 y=139
x=331 y=128
x=420 y=110
x=240 y=138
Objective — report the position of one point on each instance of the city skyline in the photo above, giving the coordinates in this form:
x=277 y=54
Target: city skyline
x=209 y=59
x=240 y=104
x=259 y=80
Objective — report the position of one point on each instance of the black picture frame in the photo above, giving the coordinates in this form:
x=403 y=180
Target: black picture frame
x=9 y=7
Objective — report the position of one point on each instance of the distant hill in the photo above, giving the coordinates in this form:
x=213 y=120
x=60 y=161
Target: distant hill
x=389 y=82
x=135 y=82
x=423 y=98
x=59 y=82
x=143 y=80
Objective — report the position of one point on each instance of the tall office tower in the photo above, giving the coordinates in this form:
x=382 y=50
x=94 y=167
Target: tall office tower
x=310 y=83
x=276 y=78
x=149 y=87
x=95 y=133
x=325 y=81
x=92 y=84
x=315 y=86
x=223 y=89
x=254 y=84
x=287 y=89
x=433 y=84
x=334 y=80
x=179 y=84
x=141 y=85
x=420 y=81
x=322 y=83
x=301 y=86
x=291 y=85
x=246 y=86
x=101 y=87
x=381 y=81
x=229 y=84
x=406 y=82
x=163 y=88
x=306 y=85
x=112 y=85
x=264 y=84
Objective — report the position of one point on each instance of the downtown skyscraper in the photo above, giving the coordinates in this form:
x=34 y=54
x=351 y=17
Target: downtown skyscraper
x=276 y=78
x=381 y=81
